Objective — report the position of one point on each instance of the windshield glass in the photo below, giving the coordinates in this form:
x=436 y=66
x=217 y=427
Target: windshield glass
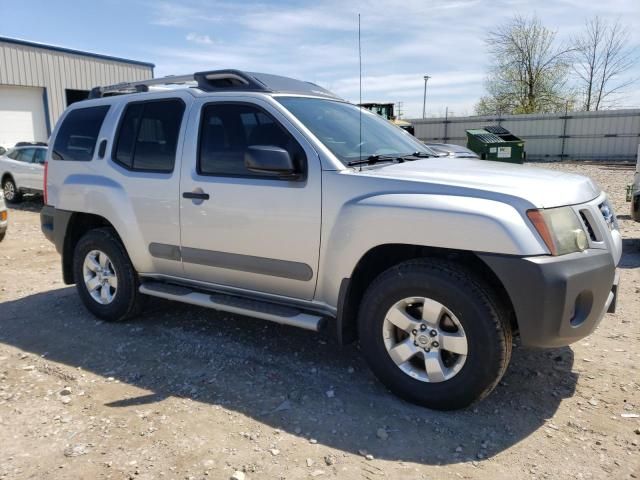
x=337 y=126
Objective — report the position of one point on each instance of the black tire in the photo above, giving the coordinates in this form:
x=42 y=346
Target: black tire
x=127 y=302
x=7 y=184
x=2 y=235
x=485 y=322
x=635 y=208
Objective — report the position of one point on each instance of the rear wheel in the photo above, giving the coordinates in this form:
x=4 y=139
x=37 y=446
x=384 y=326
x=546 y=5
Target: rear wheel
x=433 y=334
x=105 y=278
x=11 y=193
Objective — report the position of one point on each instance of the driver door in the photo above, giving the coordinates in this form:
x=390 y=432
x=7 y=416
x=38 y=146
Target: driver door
x=241 y=229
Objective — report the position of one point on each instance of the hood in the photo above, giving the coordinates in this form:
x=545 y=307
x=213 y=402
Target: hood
x=543 y=188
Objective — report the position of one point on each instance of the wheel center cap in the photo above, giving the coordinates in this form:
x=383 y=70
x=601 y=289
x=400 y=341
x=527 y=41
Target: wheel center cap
x=423 y=339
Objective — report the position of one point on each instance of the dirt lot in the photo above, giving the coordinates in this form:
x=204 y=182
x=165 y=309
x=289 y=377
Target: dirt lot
x=185 y=392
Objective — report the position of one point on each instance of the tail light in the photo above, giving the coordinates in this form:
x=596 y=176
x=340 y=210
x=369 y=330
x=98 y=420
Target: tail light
x=46 y=171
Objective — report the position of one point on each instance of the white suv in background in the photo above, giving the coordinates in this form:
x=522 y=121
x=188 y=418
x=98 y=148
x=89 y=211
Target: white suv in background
x=22 y=170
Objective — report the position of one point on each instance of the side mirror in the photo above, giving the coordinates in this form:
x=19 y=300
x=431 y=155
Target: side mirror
x=269 y=160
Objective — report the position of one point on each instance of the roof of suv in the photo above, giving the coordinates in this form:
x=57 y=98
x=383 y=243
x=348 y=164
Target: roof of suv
x=220 y=81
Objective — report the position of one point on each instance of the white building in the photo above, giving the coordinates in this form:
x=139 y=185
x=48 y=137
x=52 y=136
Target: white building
x=38 y=81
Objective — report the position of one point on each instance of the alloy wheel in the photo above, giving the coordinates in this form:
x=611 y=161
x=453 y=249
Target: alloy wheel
x=100 y=277
x=425 y=339
x=9 y=191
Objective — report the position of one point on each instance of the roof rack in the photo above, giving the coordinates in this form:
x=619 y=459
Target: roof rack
x=218 y=80
x=31 y=144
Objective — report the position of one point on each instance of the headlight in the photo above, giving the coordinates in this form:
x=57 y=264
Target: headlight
x=560 y=229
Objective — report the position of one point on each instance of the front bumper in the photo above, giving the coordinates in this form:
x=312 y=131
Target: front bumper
x=557 y=300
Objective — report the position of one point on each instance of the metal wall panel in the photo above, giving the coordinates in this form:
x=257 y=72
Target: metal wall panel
x=603 y=135
x=56 y=71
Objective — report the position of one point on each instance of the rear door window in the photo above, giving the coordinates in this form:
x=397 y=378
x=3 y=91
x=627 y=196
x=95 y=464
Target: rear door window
x=148 y=135
x=26 y=155
x=78 y=135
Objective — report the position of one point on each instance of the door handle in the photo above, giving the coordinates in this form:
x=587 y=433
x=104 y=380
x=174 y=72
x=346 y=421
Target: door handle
x=196 y=195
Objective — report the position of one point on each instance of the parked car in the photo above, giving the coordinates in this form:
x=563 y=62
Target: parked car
x=270 y=197
x=22 y=170
x=451 y=150
x=4 y=221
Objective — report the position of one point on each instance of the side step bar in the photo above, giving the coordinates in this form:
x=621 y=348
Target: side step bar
x=233 y=304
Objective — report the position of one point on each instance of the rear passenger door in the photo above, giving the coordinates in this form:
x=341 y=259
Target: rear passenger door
x=254 y=232
x=23 y=168
x=144 y=156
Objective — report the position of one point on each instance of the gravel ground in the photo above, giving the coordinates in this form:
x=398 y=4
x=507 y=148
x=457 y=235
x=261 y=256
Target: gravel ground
x=185 y=392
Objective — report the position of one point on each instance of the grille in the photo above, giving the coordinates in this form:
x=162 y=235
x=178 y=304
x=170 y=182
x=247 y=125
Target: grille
x=592 y=234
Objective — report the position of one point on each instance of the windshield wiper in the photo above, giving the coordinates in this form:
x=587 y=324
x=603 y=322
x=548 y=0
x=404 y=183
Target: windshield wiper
x=373 y=159
x=419 y=155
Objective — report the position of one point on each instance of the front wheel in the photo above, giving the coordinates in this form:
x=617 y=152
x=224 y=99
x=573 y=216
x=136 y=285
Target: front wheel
x=433 y=334
x=105 y=278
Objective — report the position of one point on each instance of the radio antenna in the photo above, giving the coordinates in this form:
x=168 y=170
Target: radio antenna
x=360 y=81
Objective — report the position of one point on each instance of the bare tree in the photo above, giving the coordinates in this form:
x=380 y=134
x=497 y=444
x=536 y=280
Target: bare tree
x=601 y=57
x=528 y=72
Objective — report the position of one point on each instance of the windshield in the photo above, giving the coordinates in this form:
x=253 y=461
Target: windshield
x=337 y=126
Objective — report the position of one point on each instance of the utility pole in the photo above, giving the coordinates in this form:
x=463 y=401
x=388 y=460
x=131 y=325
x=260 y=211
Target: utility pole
x=424 y=99
x=446 y=124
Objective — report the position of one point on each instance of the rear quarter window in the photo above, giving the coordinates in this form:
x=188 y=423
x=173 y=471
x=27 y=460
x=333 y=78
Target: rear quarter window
x=78 y=134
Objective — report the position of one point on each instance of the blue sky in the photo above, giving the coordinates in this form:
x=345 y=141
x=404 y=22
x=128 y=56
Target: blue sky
x=316 y=41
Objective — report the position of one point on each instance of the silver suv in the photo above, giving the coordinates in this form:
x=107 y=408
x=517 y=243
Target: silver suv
x=271 y=197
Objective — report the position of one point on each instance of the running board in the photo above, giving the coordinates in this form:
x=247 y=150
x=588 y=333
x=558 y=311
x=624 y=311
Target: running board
x=233 y=304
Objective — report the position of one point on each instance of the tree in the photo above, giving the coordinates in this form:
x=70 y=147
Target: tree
x=528 y=72
x=601 y=57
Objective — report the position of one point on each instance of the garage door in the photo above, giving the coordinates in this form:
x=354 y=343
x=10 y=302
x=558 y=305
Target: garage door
x=21 y=115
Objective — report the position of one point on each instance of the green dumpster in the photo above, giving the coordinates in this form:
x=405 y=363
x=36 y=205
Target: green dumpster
x=496 y=143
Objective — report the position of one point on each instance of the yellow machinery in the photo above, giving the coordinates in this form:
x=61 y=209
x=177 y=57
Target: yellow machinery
x=386 y=110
